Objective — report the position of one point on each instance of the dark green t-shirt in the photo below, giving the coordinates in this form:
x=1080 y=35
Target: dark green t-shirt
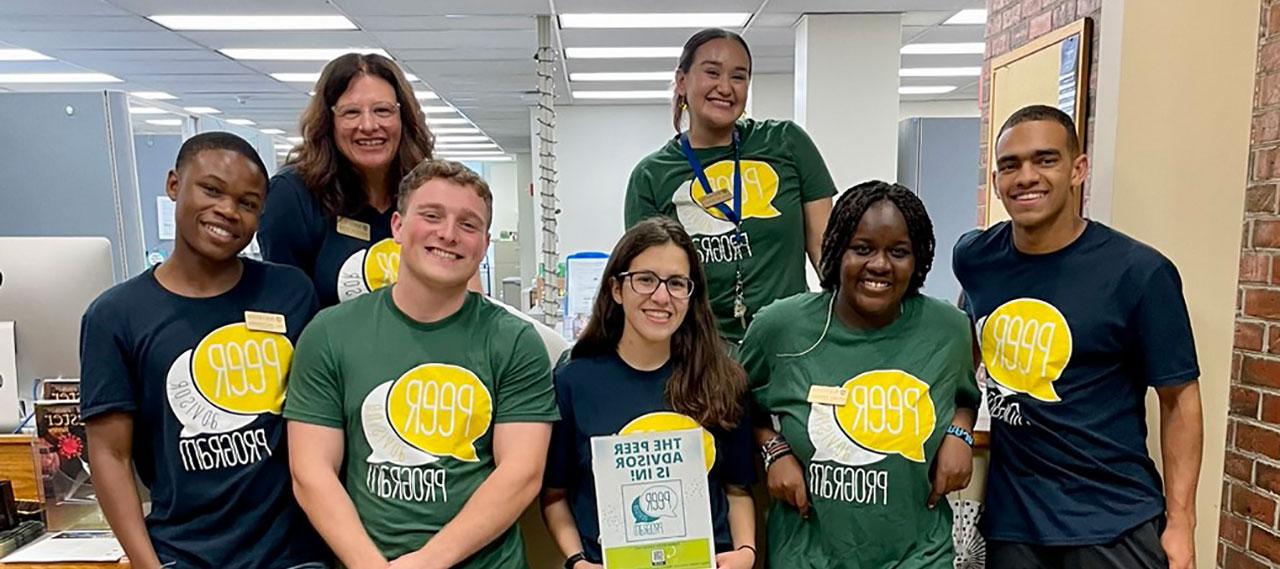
x=866 y=461
x=781 y=171
x=417 y=403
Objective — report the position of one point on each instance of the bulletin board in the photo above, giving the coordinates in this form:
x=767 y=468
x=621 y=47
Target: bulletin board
x=1052 y=69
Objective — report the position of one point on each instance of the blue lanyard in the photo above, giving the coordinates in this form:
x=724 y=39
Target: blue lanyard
x=696 y=165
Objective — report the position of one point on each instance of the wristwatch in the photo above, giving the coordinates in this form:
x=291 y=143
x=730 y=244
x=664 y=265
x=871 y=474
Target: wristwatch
x=961 y=434
x=574 y=559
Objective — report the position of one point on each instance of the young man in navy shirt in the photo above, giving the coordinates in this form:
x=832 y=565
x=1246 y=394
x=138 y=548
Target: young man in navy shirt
x=184 y=370
x=1075 y=321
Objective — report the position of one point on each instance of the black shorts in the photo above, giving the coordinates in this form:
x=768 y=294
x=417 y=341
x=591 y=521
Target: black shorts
x=1138 y=548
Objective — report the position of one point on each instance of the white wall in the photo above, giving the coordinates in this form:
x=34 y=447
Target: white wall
x=773 y=96
x=502 y=182
x=597 y=148
x=526 y=226
x=922 y=109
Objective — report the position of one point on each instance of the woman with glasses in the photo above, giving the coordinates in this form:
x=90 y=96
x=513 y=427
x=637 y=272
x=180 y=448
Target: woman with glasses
x=329 y=210
x=650 y=360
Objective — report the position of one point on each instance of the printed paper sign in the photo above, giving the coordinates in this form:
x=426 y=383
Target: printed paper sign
x=653 y=501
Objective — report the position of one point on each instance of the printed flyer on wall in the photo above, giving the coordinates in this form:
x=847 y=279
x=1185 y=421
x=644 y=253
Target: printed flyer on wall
x=653 y=501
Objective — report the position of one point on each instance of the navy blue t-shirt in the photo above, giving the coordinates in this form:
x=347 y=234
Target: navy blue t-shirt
x=334 y=251
x=1071 y=340
x=603 y=396
x=205 y=392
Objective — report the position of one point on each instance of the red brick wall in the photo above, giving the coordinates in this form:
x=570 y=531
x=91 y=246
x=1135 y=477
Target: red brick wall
x=1248 y=535
x=1012 y=24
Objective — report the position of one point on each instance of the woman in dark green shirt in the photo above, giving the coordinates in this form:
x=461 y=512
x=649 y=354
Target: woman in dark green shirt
x=870 y=387
x=770 y=190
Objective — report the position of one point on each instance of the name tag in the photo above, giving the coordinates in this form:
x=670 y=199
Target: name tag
x=353 y=228
x=715 y=198
x=264 y=322
x=824 y=395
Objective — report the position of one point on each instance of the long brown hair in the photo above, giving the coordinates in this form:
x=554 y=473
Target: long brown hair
x=686 y=63
x=328 y=174
x=706 y=384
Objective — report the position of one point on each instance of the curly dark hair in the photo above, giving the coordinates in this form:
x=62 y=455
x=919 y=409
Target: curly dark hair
x=844 y=222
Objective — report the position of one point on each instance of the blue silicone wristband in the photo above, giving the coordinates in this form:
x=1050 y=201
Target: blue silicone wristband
x=961 y=434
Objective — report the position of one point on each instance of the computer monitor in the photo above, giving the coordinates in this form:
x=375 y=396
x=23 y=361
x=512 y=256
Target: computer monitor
x=46 y=283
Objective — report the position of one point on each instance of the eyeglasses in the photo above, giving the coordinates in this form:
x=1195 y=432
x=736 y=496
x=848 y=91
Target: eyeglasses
x=646 y=282
x=382 y=112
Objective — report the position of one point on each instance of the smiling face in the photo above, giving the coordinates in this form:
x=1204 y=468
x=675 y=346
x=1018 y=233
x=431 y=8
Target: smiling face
x=219 y=195
x=876 y=270
x=1036 y=174
x=715 y=86
x=366 y=123
x=655 y=317
x=443 y=232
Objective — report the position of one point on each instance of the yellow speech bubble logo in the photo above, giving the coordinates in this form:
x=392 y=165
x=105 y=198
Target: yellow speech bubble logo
x=662 y=421
x=382 y=264
x=241 y=370
x=889 y=412
x=440 y=409
x=1026 y=343
x=759 y=188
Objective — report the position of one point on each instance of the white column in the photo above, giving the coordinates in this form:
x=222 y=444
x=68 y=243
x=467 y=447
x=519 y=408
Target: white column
x=772 y=96
x=527 y=228
x=846 y=92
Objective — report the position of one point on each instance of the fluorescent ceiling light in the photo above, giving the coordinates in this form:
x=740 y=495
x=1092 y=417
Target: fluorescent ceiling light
x=58 y=78
x=145 y=111
x=438 y=109
x=655 y=94
x=242 y=122
x=476 y=138
x=22 y=55
x=456 y=130
x=944 y=48
x=291 y=54
x=202 y=110
x=272 y=131
x=313 y=77
x=449 y=147
x=624 y=76
x=284 y=147
x=424 y=95
x=153 y=95
x=165 y=122
x=621 y=52
x=493 y=152
x=432 y=121
x=926 y=90
x=689 y=20
x=252 y=23
x=294 y=139
x=940 y=72
x=491 y=158
x=967 y=17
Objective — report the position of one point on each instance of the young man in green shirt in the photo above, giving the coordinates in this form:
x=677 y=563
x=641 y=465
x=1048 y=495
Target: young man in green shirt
x=419 y=415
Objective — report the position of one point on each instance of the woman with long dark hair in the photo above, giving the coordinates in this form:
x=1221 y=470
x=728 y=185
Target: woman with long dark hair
x=870 y=387
x=754 y=195
x=650 y=359
x=329 y=210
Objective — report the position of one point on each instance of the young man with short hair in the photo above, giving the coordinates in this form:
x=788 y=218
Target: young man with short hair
x=183 y=378
x=420 y=413
x=1075 y=321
